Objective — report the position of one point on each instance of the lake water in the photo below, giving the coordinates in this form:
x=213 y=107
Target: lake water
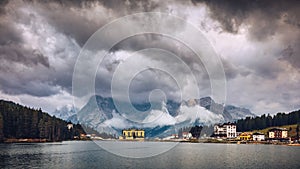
x=87 y=154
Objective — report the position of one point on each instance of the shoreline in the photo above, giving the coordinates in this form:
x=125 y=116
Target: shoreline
x=27 y=140
x=13 y=140
x=31 y=140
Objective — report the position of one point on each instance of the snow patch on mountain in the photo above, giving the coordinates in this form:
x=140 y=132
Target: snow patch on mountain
x=65 y=112
x=118 y=122
x=158 y=118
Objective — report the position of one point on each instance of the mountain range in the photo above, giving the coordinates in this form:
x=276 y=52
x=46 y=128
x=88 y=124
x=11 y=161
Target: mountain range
x=160 y=119
x=67 y=112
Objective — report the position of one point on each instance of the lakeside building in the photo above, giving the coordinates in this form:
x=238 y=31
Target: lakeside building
x=226 y=130
x=258 y=136
x=132 y=134
x=174 y=136
x=186 y=135
x=245 y=136
x=278 y=133
x=69 y=126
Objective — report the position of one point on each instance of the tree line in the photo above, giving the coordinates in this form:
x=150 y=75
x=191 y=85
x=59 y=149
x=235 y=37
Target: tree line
x=21 y=122
x=265 y=121
x=196 y=131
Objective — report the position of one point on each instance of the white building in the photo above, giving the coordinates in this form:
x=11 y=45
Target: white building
x=227 y=130
x=258 y=136
x=186 y=135
x=69 y=126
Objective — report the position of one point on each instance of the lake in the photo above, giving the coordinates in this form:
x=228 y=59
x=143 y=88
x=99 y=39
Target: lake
x=88 y=154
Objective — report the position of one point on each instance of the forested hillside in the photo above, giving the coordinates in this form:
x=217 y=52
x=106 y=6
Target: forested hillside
x=264 y=121
x=20 y=122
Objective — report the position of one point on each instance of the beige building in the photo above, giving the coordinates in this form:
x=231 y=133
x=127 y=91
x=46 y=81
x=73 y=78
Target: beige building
x=278 y=133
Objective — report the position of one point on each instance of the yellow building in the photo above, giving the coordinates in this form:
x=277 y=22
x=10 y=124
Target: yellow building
x=133 y=134
x=245 y=136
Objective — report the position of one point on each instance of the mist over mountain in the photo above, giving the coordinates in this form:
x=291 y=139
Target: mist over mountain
x=160 y=119
x=229 y=112
x=67 y=112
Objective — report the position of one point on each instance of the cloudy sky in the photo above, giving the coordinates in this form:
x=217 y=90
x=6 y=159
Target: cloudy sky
x=256 y=41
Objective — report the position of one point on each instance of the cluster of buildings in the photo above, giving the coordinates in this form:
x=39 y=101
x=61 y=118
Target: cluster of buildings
x=228 y=131
x=221 y=131
x=184 y=136
x=139 y=134
x=249 y=136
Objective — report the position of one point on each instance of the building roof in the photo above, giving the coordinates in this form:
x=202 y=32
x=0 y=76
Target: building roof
x=278 y=129
x=258 y=133
x=229 y=123
x=225 y=124
x=133 y=129
x=245 y=134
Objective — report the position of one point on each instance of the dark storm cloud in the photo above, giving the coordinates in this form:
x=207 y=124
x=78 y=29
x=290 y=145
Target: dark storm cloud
x=2 y=6
x=73 y=19
x=231 y=71
x=144 y=5
x=40 y=41
x=291 y=55
x=69 y=18
x=151 y=40
x=17 y=53
x=264 y=20
x=8 y=33
x=117 y=5
x=263 y=16
x=35 y=88
x=12 y=49
x=73 y=25
x=178 y=49
x=145 y=41
x=291 y=52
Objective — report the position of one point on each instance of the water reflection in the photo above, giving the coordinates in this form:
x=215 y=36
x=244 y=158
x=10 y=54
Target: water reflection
x=87 y=154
